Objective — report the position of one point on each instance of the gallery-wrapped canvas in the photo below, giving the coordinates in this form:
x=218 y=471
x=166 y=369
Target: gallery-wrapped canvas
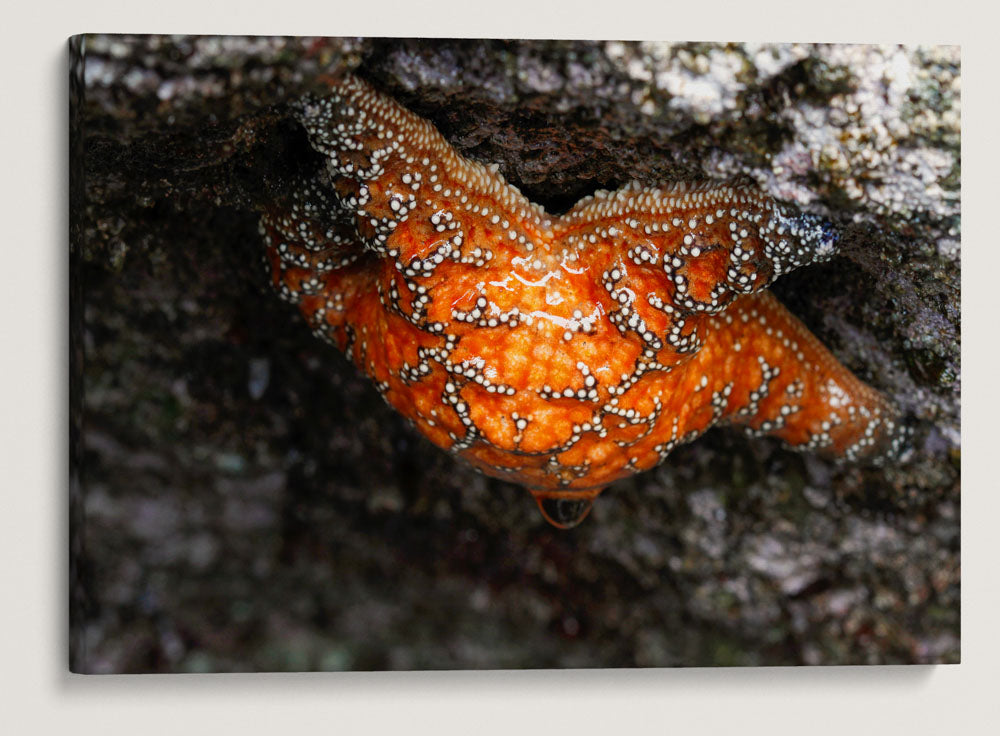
x=455 y=354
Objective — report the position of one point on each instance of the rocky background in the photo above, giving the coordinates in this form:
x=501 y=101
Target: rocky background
x=241 y=499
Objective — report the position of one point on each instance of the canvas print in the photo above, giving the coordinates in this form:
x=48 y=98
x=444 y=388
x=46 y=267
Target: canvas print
x=454 y=354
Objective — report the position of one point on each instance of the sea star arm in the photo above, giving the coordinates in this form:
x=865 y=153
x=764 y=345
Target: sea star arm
x=688 y=263
x=769 y=374
x=401 y=180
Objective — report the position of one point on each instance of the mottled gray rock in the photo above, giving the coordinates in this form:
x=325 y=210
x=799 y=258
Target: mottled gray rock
x=243 y=500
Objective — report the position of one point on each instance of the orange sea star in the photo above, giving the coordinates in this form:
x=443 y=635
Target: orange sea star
x=561 y=353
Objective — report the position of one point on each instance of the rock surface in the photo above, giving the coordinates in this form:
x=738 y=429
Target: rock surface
x=243 y=500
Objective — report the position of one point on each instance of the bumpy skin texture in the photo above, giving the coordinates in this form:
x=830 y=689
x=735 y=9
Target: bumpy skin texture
x=561 y=353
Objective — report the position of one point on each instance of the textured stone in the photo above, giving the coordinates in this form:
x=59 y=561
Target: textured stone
x=305 y=526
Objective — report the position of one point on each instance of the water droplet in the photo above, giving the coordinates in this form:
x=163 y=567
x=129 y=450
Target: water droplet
x=563 y=512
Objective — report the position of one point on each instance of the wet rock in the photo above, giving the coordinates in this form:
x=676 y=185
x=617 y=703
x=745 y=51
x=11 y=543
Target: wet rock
x=242 y=499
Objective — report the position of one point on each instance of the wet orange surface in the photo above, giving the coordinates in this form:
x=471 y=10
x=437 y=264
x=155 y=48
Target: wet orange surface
x=561 y=353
